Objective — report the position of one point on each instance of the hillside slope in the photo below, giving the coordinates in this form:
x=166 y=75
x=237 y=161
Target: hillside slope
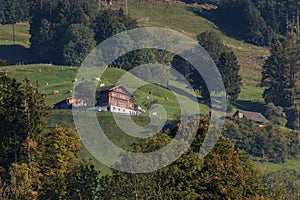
x=184 y=18
x=179 y=16
x=60 y=78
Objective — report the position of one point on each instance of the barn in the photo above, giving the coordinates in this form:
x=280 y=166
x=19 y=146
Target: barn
x=253 y=116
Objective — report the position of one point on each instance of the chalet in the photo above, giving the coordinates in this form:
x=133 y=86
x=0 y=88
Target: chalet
x=68 y=103
x=253 y=116
x=115 y=98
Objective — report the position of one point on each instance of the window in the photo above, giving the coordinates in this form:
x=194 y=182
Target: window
x=119 y=109
x=114 y=108
x=122 y=104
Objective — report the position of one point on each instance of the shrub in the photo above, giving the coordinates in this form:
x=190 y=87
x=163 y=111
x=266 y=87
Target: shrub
x=3 y=62
x=276 y=114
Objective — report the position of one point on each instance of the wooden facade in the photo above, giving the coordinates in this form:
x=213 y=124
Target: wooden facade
x=115 y=99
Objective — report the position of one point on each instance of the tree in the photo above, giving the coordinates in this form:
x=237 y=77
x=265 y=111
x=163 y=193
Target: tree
x=275 y=76
x=84 y=183
x=13 y=11
x=109 y=23
x=63 y=12
x=229 y=69
x=222 y=174
x=23 y=183
x=79 y=43
x=42 y=38
x=280 y=77
x=295 y=119
x=294 y=64
x=134 y=59
x=284 y=182
x=276 y=114
x=178 y=180
x=59 y=149
x=212 y=43
x=23 y=111
x=245 y=17
x=11 y=125
x=50 y=28
x=225 y=61
x=227 y=174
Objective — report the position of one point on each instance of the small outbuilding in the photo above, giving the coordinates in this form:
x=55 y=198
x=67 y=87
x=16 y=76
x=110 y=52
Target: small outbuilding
x=253 y=116
x=67 y=104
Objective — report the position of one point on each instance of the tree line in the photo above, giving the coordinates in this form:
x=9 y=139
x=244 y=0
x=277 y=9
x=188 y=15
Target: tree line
x=14 y=11
x=255 y=21
x=66 y=32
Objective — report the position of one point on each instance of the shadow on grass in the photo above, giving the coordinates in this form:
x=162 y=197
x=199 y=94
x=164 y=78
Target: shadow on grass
x=213 y=15
x=190 y=96
x=250 y=106
x=17 y=54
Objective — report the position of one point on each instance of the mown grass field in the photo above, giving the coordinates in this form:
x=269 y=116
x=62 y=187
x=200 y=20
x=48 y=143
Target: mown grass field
x=57 y=77
x=21 y=34
x=18 y=52
x=60 y=78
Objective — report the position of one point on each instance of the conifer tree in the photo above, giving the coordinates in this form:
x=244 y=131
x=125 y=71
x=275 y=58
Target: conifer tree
x=275 y=76
x=229 y=69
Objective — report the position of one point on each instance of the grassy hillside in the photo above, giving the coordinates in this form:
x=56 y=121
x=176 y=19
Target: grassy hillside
x=185 y=18
x=57 y=77
x=188 y=19
x=18 y=53
x=21 y=35
x=60 y=78
x=290 y=164
x=175 y=15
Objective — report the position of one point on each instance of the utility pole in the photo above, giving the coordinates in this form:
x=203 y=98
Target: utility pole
x=293 y=23
x=13 y=36
x=287 y=22
x=126 y=2
x=297 y=18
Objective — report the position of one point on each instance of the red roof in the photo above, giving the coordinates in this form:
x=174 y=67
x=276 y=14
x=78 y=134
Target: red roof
x=110 y=88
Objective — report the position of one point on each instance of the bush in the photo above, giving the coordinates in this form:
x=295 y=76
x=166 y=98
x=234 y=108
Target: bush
x=269 y=143
x=3 y=62
x=276 y=114
x=285 y=181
